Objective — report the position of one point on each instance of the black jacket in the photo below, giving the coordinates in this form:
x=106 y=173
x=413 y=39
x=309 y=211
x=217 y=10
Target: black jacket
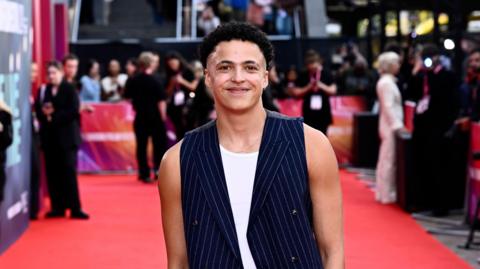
x=63 y=130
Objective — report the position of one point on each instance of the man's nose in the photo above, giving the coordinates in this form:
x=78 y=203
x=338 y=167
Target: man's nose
x=238 y=75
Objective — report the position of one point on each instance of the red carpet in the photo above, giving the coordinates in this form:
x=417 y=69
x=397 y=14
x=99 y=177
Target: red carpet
x=125 y=232
x=384 y=237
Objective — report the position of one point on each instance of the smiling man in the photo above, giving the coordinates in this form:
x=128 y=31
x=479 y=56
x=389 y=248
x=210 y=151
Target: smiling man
x=253 y=189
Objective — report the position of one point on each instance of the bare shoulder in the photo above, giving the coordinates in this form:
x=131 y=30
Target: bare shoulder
x=316 y=142
x=321 y=158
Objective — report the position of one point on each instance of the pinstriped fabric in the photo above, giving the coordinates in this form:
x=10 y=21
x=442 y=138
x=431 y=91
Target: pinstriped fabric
x=279 y=234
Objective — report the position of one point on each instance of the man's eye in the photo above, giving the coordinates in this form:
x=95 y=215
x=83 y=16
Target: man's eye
x=224 y=68
x=251 y=68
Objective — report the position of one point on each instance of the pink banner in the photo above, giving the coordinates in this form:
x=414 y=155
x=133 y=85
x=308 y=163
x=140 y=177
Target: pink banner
x=108 y=138
x=340 y=133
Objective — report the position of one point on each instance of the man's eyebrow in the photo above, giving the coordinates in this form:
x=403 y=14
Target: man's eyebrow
x=245 y=62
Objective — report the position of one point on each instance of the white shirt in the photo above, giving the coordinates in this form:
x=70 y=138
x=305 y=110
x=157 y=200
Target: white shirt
x=239 y=171
x=109 y=85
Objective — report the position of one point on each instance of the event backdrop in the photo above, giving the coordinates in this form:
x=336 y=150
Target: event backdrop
x=108 y=139
x=15 y=59
x=340 y=133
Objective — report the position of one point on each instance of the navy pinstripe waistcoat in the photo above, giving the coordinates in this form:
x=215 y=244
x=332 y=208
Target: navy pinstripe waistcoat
x=280 y=233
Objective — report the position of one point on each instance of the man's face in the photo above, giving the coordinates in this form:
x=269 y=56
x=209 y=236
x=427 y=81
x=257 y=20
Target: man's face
x=54 y=75
x=313 y=66
x=474 y=61
x=71 y=68
x=236 y=73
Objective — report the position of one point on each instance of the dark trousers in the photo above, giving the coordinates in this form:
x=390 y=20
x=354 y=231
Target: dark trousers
x=145 y=128
x=178 y=119
x=431 y=154
x=35 y=176
x=61 y=169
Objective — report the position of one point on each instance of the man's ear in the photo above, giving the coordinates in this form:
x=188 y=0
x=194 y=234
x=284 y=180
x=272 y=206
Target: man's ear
x=265 y=80
x=208 y=81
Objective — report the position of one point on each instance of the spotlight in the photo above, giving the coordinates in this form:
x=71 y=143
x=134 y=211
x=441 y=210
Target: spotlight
x=428 y=62
x=449 y=44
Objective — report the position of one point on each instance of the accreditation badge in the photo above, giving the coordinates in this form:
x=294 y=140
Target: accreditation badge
x=179 y=98
x=316 y=102
x=423 y=105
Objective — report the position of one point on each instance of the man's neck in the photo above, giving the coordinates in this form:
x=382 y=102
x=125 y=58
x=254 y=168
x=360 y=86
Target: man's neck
x=241 y=132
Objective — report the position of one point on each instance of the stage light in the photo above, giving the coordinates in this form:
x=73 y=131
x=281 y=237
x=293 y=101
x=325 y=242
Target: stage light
x=449 y=44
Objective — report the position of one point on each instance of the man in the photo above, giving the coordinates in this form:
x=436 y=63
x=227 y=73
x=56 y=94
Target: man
x=252 y=189
x=70 y=67
x=57 y=108
x=315 y=85
x=433 y=88
x=148 y=100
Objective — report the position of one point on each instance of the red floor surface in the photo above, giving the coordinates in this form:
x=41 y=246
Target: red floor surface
x=125 y=232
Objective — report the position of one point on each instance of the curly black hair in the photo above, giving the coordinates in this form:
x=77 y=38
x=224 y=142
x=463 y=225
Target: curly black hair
x=236 y=31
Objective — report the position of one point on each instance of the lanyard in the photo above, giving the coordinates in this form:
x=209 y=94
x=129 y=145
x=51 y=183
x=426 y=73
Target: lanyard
x=426 y=87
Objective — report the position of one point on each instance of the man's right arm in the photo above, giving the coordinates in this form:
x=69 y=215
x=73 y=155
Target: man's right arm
x=169 y=187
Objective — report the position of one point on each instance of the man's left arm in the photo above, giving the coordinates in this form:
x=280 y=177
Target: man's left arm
x=325 y=192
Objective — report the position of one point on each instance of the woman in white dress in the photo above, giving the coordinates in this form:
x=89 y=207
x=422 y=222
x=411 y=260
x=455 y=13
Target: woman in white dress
x=391 y=120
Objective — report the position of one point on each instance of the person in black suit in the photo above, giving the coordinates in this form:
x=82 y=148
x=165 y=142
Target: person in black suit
x=433 y=88
x=57 y=107
x=148 y=100
x=6 y=137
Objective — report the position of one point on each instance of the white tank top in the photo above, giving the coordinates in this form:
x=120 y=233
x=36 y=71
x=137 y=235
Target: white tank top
x=239 y=171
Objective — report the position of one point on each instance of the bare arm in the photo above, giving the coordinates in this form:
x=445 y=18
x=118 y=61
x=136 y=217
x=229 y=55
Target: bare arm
x=169 y=187
x=162 y=108
x=299 y=91
x=329 y=89
x=190 y=85
x=326 y=197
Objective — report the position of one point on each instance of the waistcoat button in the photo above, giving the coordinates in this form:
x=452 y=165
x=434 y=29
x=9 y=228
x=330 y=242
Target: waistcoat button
x=195 y=223
x=294 y=259
x=294 y=212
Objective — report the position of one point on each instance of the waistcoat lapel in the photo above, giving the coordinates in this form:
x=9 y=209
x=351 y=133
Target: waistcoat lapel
x=212 y=180
x=271 y=153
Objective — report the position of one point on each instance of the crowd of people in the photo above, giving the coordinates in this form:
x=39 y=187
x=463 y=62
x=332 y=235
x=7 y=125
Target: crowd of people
x=175 y=94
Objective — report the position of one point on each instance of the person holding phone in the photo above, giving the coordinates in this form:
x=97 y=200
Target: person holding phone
x=57 y=107
x=315 y=86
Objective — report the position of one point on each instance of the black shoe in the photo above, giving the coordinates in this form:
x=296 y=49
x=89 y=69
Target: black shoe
x=79 y=215
x=146 y=180
x=55 y=214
